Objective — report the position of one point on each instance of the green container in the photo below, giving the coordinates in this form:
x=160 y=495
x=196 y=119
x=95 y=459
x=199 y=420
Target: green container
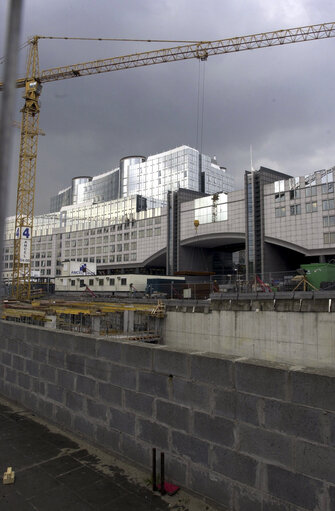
x=319 y=272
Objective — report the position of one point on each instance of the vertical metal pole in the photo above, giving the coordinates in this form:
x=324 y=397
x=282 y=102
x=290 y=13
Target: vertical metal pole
x=163 y=492
x=7 y=106
x=154 y=485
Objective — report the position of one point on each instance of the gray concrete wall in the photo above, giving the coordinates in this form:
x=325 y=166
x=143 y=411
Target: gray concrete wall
x=248 y=434
x=305 y=338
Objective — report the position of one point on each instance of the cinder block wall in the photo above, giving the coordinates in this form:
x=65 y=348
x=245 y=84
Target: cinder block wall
x=251 y=435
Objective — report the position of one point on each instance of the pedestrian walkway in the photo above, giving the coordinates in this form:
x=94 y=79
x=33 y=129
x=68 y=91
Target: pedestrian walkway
x=54 y=472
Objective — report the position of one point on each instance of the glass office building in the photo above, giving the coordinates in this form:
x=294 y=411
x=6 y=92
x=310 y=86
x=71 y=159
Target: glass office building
x=151 y=177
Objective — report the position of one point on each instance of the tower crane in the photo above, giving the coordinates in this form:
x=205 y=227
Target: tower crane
x=32 y=85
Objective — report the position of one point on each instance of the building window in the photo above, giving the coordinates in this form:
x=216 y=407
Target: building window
x=327 y=188
x=158 y=220
x=311 y=207
x=329 y=221
x=91 y=282
x=119 y=237
x=329 y=237
x=149 y=233
x=101 y=282
x=310 y=191
x=141 y=234
x=157 y=231
x=112 y=282
x=82 y=283
x=73 y=282
x=119 y=247
x=133 y=256
x=134 y=235
x=280 y=212
x=294 y=194
x=119 y=258
x=111 y=259
x=126 y=257
x=123 y=282
x=327 y=204
x=295 y=210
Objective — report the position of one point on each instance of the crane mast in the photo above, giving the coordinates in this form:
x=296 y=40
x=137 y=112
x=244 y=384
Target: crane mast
x=25 y=200
x=32 y=84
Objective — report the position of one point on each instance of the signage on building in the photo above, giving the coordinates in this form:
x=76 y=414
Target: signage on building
x=24 y=235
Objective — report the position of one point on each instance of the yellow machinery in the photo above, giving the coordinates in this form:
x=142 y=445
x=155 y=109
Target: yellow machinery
x=32 y=85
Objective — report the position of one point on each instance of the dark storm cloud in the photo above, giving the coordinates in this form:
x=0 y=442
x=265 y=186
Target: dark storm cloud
x=277 y=99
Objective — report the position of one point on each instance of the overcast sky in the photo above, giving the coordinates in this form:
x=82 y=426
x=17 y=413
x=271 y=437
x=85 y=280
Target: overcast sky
x=280 y=100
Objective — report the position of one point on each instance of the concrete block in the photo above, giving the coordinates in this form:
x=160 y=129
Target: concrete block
x=47 y=373
x=123 y=376
x=25 y=350
x=272 y=504
x=10 y=375
x=266 y=445
x=55 y=392
x=98 y=369
x=110 y=350
x=2 y=372
x=313 y=389
x=140 y=403
x=45 y=408
x=62 y=416
x=13 y=346
x=191 y=394
x=155 y=434
x=110 y=393
x=293 y=419
x=75 y=363
x=30 y=400
x=295 y=488
x=247 y=408
x=225 y=403
x=86 y=385
x=176 y=416
x=18 y=363
x=137 y=355
x=212 y=369
x=214 y=486
x=234 y=465
x=84 y=345
x=247 y=500
x=136 y=451
x=315 y=460
x=24 y=380
x=85 y=427
x=40 y=354
x=214 y=429
x=175 y=469
x=56 y=358
x=6 y=359
x=3 y=340
x=38 y=387
x=261 y=378
x=74 y=402
x=153 y=384
x=108 y=438
x=66 y=379
x=32 y=368
x=122 y=421
x=96 y=410
x=186 y=445
x=171 y=362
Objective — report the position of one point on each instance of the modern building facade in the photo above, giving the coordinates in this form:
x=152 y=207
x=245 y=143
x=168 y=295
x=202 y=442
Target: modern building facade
x=152 y=178
x=280 y=221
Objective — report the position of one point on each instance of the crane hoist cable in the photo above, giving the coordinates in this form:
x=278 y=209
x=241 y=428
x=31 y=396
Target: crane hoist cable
x=32 y=84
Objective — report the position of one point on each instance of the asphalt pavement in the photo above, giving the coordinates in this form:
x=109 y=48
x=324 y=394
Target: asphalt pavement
x=53 y=472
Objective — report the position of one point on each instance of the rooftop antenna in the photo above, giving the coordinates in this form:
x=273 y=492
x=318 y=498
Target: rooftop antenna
x=251 y=165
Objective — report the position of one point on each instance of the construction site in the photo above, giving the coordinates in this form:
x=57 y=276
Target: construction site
x=186 y=317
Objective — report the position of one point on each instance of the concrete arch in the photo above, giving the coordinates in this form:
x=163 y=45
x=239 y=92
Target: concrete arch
x=213 y=240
